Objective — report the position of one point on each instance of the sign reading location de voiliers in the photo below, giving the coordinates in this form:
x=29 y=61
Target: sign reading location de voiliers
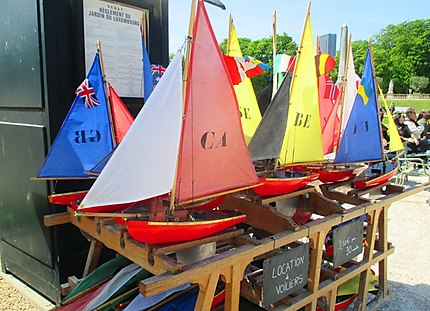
x=285 y=273
x=347 y=241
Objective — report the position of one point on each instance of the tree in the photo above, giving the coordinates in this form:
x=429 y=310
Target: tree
x=418 y=84
x=402 y=51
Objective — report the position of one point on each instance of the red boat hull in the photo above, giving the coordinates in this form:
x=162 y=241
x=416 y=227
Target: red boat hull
x=154 y=232
x=335 y=173
x=375 y=175
x=67 y=198
x=280 y=186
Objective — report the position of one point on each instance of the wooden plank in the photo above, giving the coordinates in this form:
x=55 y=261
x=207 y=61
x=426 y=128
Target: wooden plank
x=268 y=200
x=93 y=257
x=266 y=218
x=56 y=219
x=172 y=248
x=121 y=243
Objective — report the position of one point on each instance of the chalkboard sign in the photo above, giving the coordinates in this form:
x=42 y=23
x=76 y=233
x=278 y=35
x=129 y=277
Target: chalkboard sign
x=347 y=241
x=285 y=273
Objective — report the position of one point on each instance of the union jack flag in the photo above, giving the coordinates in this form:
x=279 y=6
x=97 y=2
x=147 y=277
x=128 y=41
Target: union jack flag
x=157 y=71
x=86 y=91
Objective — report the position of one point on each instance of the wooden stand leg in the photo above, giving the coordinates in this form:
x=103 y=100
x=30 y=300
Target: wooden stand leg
x=372 y=225
x=232 y=287
x=316 y=243
x=93 y=257
x=206 y=292
x=383 y=246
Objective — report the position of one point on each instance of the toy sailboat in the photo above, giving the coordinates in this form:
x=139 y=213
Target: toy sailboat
x=362 y=137
x=185 y=155
x=334 y=127
x=86 y=135
x=289 y=133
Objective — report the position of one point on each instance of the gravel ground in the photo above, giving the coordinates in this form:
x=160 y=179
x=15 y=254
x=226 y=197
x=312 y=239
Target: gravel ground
x=408 y=267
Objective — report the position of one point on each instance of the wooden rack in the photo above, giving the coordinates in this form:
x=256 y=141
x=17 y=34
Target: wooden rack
x=236 y=249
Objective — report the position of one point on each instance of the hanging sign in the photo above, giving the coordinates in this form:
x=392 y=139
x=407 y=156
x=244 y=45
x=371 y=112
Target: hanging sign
x=347 y=241
x=285 y=273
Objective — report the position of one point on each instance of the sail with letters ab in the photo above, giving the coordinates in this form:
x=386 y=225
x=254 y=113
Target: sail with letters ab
x=203 y=153
x=361 y=139
x=250 y=114
x=303 y=141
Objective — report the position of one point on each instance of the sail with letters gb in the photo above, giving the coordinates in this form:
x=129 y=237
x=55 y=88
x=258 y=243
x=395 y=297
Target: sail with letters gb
x=197 y=152
x=86 y=136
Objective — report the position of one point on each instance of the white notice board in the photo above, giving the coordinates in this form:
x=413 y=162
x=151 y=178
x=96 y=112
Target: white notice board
x=117 y=27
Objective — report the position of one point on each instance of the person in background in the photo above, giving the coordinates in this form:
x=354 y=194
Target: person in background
x=416 y=130
x=411 y=143
x=392 y=107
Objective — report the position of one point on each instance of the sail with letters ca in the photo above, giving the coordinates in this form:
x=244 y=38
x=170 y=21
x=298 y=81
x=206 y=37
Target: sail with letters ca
x=198 y=152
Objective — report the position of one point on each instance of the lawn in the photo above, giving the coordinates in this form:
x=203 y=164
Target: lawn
x=419 y=104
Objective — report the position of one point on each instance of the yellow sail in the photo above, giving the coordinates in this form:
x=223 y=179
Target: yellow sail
x=395 y=140
x=303 y=141
x=249 y=111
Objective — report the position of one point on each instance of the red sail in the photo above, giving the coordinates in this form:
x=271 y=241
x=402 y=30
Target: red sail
x=213 y=155
x=122 y=119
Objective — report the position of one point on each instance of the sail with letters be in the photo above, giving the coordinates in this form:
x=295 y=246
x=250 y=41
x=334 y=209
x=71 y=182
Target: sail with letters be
x=248 y=105
x=190 y=156
x=290 y=131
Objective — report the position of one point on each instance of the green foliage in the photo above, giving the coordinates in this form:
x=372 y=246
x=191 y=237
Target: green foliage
x=418 y=84
x=262 y=50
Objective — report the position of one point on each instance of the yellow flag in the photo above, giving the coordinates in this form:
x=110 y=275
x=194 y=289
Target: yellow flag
x=303 y=140
x=250 y=114
x=395 y=140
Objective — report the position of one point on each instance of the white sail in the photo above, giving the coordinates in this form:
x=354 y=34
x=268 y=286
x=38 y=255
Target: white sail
x=350 y=85
x=144 y=163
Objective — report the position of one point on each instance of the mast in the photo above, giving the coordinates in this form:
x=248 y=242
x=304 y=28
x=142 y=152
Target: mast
x=383 y=156
x=230 y=22
x=184 y=89
x=345 y=80
x=274 y=73
x=106 y=89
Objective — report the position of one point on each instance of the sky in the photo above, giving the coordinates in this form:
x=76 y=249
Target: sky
x=253 y=18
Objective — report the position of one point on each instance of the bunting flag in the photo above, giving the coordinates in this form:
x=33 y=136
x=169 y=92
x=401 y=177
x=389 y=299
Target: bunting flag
x=250 y=115
x=157 y=73
x=85 y=136
x=241 y=67
x=395 y=140
x=283 y=63
x=361 y=140
x=325 y=63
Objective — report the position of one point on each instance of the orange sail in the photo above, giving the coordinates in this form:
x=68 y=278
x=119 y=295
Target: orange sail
x=213 y=155
x=122 y=118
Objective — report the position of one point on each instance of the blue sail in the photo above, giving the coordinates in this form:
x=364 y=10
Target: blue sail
x=85 y=136
x=361 y=140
